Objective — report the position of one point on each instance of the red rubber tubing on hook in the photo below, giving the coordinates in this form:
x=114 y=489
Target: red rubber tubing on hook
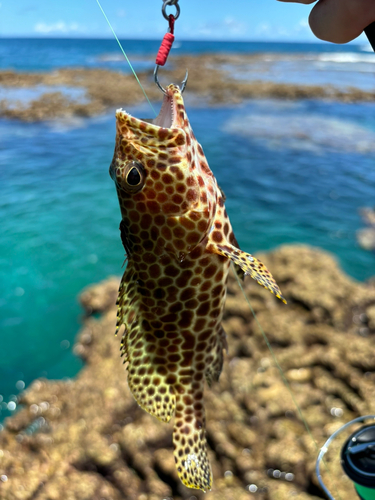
x=165 y=48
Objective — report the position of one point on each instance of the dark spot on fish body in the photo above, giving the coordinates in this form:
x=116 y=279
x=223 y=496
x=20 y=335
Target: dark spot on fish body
x=217 y=236
x=163 y=133
x=159 y=220
x=173 y=160
x=161 y=370
x=192 y=195
x=203 y=225
x=176 y=198
x=204 y=197
x=161 y=166
x=162 y=197
x=158 y=293
x=187 y=294
x=167 y=179
x=200 y=323
x=169 y=190
x=176 y=307
x=153 y=207
x=171 y=208
x=186 y=319
x=166 y=232
x=210 y=271
x=148 y=245
x=180 y=245
x=184 y=278
x=176 y=171
x=141 y=207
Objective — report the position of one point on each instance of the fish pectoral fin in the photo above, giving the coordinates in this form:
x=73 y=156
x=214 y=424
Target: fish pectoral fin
x=250 y=265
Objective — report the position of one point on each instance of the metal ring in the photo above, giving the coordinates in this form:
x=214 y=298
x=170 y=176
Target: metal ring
x=167 y=3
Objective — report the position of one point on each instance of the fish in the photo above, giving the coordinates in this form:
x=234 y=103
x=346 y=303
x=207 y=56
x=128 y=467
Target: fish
x=179 y=245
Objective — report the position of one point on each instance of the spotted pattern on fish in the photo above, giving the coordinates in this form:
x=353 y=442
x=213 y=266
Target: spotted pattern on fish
x=179 y=244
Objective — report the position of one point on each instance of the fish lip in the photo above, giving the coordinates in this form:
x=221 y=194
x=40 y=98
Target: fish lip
x=165 y=119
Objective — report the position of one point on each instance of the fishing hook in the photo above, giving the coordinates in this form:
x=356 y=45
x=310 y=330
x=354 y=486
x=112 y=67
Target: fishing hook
x=183 y=83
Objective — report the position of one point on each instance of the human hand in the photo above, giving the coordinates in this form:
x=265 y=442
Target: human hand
x=339 y=21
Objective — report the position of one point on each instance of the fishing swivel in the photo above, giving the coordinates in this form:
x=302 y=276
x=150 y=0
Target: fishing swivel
x=167 y=42
x=167 y=3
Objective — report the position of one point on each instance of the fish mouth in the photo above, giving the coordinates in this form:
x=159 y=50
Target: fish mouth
x=167 y=117
x=167 y=114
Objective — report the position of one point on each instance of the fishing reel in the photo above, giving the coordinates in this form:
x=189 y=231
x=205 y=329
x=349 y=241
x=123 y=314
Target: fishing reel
x=357 y=458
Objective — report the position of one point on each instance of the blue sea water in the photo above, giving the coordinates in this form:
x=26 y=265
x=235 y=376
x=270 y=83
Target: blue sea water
x=292 y=171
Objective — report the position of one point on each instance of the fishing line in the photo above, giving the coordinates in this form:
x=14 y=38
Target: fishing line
x=284 y=379
x=126 y=57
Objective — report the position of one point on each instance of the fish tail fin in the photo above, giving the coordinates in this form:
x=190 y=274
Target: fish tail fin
x=250 y=265
x=189 y=440
x=215 y=367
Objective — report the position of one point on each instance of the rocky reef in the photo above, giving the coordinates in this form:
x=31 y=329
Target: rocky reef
x=86 y=438
x=209 y=78
x=366 y=236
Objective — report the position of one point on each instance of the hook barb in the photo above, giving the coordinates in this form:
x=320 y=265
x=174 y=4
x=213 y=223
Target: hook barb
x=156 y=79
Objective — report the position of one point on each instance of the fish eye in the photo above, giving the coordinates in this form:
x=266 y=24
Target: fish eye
x=134 y=176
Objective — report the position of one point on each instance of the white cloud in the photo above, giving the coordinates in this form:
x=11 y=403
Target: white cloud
x=59 y=27
x=121 y=13
x=221 y=29
x=263 y=29
x=234 y=26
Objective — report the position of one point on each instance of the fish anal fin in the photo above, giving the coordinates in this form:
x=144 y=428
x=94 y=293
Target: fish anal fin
x=189 y=440
x=250 y=265
x=151 y=391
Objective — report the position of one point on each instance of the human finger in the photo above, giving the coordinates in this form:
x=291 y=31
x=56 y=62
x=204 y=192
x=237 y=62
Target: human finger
x=306 y=2
x=340 y=21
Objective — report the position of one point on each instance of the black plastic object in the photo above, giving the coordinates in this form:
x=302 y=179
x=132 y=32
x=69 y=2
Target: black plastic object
x=370 y=33
x=358 y=461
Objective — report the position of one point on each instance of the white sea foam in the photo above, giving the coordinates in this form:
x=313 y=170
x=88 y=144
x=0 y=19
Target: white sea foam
x=346 y=57
x=304 y=132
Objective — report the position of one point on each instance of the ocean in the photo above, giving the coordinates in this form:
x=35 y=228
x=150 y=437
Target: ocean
x=292 y=171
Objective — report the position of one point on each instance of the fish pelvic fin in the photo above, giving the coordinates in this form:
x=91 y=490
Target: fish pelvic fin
x=189 y=441
x=214 y=369
x=250 y=265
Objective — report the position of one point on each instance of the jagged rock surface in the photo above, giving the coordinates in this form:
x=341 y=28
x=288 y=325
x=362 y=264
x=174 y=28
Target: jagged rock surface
x=209 y=78
x=86 y=439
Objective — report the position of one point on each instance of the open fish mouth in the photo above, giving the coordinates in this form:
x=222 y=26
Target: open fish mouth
x=167 y=117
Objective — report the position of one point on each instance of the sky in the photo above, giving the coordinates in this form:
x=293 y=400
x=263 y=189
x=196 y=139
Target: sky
x=259 y=20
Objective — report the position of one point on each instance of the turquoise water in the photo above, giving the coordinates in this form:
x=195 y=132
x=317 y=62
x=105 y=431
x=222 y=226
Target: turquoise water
x=293 y=172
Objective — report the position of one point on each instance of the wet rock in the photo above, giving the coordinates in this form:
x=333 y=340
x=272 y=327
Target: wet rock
x=104 y=89
x=366 y=236
x=101 y=297
x=87 y=439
